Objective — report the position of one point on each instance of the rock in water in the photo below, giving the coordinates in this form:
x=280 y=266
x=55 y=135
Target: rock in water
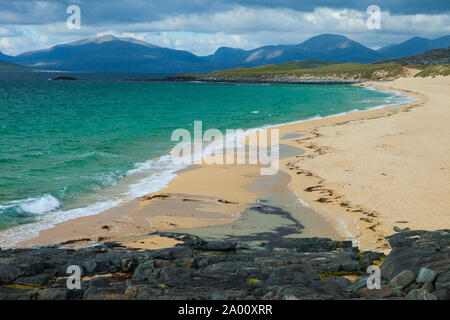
x=403 y=279
x=64 y=78
x=426 y=275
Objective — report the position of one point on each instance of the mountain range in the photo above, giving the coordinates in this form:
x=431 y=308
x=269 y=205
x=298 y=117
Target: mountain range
x=128 y=55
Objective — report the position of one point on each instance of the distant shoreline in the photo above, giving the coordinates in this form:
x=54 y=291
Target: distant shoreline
x=183 y=78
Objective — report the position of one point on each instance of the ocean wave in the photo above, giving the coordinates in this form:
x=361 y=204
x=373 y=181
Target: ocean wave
x=43 y=204
x=147 y=177
x=157 y=174
x=13 y=235
x=37 y=205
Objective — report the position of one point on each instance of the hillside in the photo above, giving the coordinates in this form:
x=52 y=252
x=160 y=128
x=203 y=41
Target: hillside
x=413 y=46
x=325 y=47
x=12 y=67
x=437 y=70
x=429 y=58
x=295 y=70
x=111 y=54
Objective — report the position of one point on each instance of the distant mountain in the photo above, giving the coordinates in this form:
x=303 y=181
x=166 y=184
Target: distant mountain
x=325 y=47
x=4 y=57
x=12 y=67
x=429 y=58
x=128 y=55
x=341 y=49
x=414 y=45
x=111 y=54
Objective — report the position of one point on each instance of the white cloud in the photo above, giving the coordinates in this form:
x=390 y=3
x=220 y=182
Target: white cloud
x=244 y=27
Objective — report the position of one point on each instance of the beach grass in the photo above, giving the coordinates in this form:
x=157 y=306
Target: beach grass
x=436 y=70
x=311 y=68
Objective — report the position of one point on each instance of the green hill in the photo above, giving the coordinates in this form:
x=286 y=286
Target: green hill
x=315 y=69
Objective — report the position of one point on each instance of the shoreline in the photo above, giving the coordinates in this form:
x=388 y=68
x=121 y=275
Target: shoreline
x=314 y=190
x=215 y=214
x=47 y=222
x=256 y=80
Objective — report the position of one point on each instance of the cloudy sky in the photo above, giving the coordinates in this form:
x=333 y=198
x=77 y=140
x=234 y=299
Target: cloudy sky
x=202 y=26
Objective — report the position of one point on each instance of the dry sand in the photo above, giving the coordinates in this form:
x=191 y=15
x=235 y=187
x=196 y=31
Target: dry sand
x=364 y=173
x=392 y=169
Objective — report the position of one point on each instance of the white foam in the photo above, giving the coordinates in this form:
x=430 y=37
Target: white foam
x=302 y=202
x=43 y=204
x=162 y=172
x=16 y=234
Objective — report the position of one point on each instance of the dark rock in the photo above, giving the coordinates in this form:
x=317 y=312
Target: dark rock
x=305 y=244
x=383 y=292
x=414 y=250
x=442 y=285
x=427 y=286
x=412 y=286
x=360 y=283
x=39 y=279
x=442 y=294
x=9 y=272
x=397 y=292
x=402 y=279
x=64 y=78
x=52 y=294
x=420 y=294
x=420 y=238
x=172 y=253
x=214 y=245
x=304 y=268
x=144 y=271
x=426 y=275
x=7 y=293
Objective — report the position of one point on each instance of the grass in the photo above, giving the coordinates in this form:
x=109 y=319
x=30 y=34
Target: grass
x=314 y=69
x=437 y=70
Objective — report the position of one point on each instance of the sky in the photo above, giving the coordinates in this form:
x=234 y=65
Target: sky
x=202 y=26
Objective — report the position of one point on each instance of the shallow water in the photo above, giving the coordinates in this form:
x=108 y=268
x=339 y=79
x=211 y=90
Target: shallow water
x=277 y=214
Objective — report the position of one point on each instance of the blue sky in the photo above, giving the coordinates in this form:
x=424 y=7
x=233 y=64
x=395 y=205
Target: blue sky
x=202 y=26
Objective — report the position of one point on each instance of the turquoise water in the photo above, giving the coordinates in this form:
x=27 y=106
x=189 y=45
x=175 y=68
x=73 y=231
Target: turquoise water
x=69 y=149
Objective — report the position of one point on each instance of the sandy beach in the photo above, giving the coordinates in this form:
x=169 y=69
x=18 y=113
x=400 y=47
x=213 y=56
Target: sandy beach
x=358 y=176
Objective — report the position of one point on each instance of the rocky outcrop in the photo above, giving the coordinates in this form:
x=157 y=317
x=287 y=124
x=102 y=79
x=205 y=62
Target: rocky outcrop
x=422 y=260
x=304 y=268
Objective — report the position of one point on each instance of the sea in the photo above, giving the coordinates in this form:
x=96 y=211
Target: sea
x=76 y=148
